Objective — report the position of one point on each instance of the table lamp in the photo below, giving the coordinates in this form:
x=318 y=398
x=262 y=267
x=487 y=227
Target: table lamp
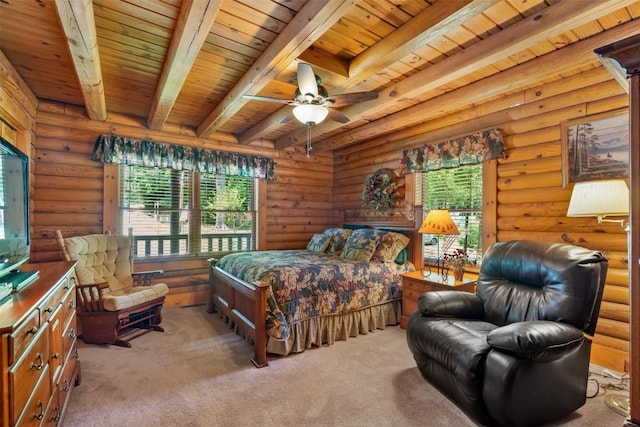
x=438 y=222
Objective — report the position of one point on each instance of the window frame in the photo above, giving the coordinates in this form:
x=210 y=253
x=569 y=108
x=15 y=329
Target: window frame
x=489 y=204
x=111 y=215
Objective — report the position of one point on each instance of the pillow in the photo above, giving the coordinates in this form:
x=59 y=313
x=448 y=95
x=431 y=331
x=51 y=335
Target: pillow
x=402 y=257
x=361 y=244
x=339 y=237
x=319 y=242
x=389 y=246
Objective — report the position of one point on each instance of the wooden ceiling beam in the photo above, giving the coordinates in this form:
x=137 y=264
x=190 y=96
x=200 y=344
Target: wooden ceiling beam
x=321 y=59
x=306 y=27
x=192 y=28
x=523 y=75
x=426 y=27
x=541 y=26
x=78 y=23
x=269 y=123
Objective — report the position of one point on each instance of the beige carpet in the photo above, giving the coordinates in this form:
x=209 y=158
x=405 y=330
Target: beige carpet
x=198 y=373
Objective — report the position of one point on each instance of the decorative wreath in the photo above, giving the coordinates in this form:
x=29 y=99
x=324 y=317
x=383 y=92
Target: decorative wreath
x=380 y=191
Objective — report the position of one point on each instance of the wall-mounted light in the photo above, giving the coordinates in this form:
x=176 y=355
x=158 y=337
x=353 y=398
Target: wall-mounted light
x=600 y=199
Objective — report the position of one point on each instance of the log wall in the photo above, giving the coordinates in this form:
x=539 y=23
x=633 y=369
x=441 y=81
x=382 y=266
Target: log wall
x=69 y=189
x=531 y=202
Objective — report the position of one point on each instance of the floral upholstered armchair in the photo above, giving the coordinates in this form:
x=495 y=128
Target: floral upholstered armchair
x=114 y=304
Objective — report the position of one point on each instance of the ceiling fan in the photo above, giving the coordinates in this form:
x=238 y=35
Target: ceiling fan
x=313 y=103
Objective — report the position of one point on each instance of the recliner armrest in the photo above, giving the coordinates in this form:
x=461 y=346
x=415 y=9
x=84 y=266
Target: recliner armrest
x=103 y=285
x=89 y=296
x=540 y=340
x=451 y=304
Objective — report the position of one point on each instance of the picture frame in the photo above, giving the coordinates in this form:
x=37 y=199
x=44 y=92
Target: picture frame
x=595 y=147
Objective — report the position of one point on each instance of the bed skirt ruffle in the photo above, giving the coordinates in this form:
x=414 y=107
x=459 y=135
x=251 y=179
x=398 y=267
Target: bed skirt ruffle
x=339 y=327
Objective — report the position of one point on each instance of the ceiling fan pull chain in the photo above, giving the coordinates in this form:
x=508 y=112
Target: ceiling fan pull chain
x=308 y=140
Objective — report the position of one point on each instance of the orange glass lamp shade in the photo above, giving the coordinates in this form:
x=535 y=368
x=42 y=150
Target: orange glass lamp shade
x=438 y=221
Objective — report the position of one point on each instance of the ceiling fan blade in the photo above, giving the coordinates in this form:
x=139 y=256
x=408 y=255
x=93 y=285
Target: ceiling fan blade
x=267 y=99
x=287 y=118
x=351 y=98
x=337 y=116
x=307 y=80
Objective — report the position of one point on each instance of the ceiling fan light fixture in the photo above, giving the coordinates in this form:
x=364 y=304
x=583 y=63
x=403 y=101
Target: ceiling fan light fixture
x=310 y=114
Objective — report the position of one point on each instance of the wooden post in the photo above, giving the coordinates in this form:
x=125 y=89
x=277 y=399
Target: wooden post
x=63 y=248
x=627 y=53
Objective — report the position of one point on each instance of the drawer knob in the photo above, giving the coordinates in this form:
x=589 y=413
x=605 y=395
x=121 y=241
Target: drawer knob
x=48 y=310
x=72 y=333
x=38 y=366
x=66 y=387
x=55 y=355
x=41 y=414
x=32 y=330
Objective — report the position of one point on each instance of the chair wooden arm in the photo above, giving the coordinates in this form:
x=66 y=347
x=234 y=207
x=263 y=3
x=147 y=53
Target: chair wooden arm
x=89 y=297
x=144 y=278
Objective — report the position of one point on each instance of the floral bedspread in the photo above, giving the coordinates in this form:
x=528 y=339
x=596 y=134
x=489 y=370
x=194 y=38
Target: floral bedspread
x=304 y=284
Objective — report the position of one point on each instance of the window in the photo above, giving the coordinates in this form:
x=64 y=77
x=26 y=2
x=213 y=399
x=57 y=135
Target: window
x=460 y=191
x=173 y=212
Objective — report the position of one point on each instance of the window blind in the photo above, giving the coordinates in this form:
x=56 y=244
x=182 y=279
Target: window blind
x=177 y=212
x=459 y=190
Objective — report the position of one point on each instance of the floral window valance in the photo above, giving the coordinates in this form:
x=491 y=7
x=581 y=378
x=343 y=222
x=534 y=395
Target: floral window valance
x=467 y=150
x=138 y=152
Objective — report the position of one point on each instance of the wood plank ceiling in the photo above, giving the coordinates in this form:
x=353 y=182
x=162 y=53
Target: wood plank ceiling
x=189 y=62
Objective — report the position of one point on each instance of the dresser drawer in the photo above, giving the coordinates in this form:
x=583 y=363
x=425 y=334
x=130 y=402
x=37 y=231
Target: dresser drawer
x=34 y=410
x=23 y=335
x=50 y=304
x=68 y=281
x=54 y=410
x=56 y=352
x=413 y=292
x=68 y=306
x=29 y=369
x=67 y=379
x=69 y=337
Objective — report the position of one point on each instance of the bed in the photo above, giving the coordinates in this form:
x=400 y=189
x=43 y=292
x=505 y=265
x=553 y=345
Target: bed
x=345 y=283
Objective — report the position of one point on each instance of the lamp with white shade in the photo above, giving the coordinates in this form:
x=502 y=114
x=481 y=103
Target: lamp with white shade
x=438 y=222
x=600 y=199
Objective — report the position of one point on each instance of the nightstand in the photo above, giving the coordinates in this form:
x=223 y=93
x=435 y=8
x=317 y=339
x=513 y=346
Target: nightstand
x=415 y=284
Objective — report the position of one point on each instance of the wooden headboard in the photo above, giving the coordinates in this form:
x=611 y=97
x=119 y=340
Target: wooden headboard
x=408 y=228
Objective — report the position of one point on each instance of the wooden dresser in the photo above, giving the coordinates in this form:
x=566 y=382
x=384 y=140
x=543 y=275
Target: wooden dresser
x=40 y=363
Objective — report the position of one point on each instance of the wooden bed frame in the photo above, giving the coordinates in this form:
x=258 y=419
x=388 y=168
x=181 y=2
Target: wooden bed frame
x=245 y=304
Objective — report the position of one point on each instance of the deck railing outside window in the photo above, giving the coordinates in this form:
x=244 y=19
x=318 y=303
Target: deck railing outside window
x=146 y=246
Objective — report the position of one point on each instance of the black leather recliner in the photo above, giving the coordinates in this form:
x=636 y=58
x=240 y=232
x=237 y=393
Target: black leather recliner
x=514 y=353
